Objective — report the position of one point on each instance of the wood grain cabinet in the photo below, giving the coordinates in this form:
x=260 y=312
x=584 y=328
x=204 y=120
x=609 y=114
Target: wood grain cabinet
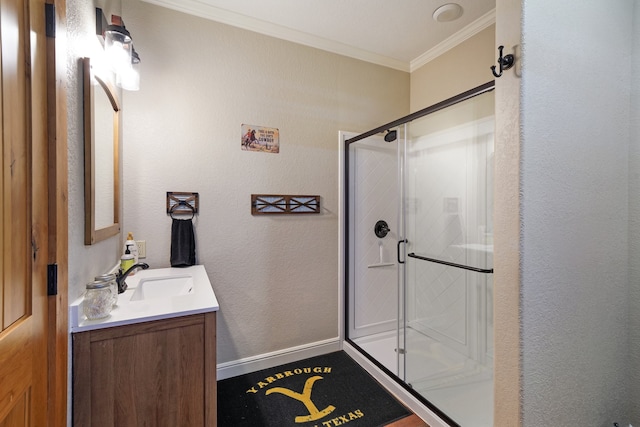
x=159 y=373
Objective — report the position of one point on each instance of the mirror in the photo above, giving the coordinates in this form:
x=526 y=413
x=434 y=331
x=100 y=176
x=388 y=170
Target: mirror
x=101 y=160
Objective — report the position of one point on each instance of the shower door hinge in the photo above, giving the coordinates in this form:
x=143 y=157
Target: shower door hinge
x=400 y=351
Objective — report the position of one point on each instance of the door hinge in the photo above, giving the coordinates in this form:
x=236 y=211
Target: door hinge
x=52 y=279
x=50 y=20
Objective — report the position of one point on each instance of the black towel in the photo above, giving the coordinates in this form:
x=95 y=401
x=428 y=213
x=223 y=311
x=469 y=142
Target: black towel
x=183 y=243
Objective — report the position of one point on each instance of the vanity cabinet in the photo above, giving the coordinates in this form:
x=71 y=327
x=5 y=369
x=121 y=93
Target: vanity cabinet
x=156 y=373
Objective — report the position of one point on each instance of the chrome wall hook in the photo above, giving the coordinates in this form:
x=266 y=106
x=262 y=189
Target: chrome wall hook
x=505 y=62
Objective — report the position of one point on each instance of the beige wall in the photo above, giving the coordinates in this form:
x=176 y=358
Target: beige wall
x=457 y=70
x=85 y=262
x=276 y=277
x=634 y=222
x=507 y=225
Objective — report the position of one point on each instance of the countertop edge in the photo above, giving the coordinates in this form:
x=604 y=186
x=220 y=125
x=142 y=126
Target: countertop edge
x=125 y=322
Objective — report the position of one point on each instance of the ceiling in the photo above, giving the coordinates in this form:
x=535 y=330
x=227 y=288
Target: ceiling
x=400 y=34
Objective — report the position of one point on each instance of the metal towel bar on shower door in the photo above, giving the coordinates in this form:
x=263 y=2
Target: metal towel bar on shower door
x=451 y=264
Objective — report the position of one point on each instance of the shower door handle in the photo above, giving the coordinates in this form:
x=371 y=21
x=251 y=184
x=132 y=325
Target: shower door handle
x=399 y=242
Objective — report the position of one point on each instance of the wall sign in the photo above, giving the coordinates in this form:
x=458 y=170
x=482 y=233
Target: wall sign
x=260 y=138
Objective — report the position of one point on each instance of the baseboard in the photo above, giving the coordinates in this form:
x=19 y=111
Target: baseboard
x=280 y=357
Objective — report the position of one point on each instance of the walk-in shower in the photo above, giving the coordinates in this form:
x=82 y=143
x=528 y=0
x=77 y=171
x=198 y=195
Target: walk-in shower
x=418 y=253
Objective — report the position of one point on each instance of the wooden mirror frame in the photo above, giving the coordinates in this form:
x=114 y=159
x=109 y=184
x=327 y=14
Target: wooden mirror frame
x=91 y=234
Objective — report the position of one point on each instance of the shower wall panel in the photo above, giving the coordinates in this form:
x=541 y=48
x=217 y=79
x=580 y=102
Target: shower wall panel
x=374 y=276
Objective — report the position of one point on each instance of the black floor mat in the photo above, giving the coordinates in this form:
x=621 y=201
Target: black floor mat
x=324 y=391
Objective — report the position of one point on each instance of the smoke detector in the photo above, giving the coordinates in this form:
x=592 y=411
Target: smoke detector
x=447 y=12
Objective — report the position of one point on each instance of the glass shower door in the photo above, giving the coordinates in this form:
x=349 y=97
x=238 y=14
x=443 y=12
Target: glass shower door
x=418 y=296
x=446 y=315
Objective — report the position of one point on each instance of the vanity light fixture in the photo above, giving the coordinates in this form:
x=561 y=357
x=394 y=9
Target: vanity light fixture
x=119 y=51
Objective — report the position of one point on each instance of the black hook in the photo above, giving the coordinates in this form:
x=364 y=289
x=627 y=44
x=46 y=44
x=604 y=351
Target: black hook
x=505 y=62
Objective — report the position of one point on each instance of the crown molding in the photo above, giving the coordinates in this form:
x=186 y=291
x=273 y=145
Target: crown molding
x=203 y=10
x=467 y=32
x=207 y=11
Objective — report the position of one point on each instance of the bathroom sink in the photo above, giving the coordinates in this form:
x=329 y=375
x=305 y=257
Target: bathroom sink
x=153 y=294
x=162 y=287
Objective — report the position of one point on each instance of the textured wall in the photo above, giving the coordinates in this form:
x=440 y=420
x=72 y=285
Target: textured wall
x=276 y=278
x=574 y=170
x=85 y=262
x=634 y=223
x=507 y=242
x=461 y=68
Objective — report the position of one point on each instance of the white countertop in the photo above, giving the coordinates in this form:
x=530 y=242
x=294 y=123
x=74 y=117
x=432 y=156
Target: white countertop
x=201 y=299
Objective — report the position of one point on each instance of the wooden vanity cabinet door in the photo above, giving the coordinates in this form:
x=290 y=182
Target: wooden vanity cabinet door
x=160 y=373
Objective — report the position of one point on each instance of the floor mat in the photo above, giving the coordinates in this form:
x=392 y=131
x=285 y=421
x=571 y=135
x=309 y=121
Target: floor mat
x=323 y=391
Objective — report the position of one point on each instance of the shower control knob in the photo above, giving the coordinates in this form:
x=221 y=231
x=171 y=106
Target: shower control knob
x=381 y=228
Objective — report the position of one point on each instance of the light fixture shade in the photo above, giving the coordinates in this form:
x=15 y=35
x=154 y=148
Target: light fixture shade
x=118 y=48
x=129 y=78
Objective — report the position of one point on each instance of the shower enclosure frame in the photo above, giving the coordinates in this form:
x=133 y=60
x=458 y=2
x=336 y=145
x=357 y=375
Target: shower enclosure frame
x=484 y=88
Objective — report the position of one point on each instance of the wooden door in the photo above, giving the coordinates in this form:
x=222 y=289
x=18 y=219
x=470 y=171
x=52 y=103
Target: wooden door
x=24 y=232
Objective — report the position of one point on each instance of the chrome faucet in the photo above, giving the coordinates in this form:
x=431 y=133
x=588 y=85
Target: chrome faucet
x=120 y=276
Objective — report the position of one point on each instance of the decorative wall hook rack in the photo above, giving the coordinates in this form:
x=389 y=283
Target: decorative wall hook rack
x=505 y=62
x=283 y=204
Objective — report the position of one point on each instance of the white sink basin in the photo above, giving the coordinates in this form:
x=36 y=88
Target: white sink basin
x=162 y=287
x=153 y=294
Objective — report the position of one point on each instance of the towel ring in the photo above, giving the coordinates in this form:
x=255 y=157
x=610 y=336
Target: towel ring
x=182 y=203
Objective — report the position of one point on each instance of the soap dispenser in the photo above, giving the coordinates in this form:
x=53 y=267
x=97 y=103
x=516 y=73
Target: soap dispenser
x=127 y=260
x=133 y=247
